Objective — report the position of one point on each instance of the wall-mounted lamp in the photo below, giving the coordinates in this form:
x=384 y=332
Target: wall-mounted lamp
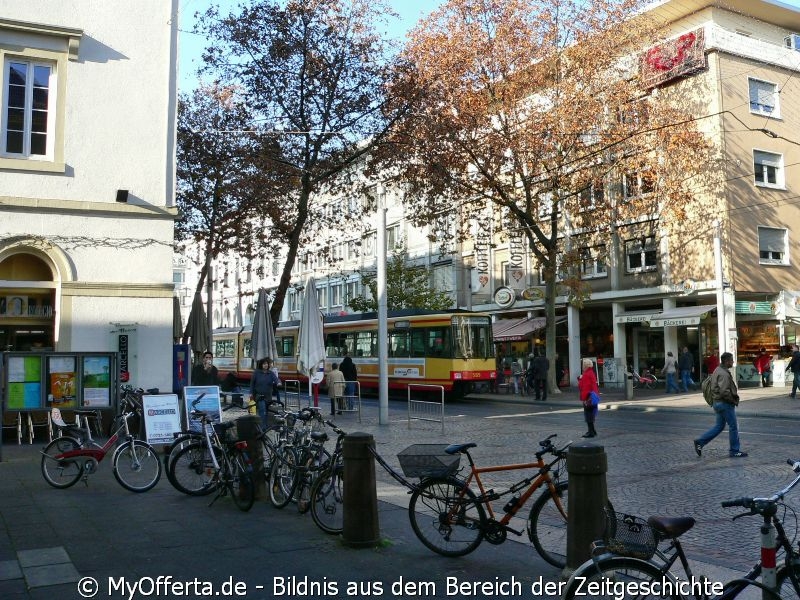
x=122 y=195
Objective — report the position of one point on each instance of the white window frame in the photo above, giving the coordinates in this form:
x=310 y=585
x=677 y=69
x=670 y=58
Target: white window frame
x=336 y=295
x=593 y=194
x=771 y=166
x=351 y=290
x=641 y=247
x=29 y=109
x=773 y=245
x=34 y=43
x=394 y=238
x=593 y=262
x=758 y=90
x=629 y=191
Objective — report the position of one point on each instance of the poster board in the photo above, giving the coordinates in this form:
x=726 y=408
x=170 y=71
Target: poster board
x=24 y=382
x=96 y=381
x=162 y=417
x=60 y=381
x=209 y=402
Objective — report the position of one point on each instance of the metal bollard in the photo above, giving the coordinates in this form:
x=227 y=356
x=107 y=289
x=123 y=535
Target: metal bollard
x=360 y=526
x=629 y=386
x=587 y=465
x=247 y=429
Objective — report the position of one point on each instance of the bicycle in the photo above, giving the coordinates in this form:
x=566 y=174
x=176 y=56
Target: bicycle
x=646 y=379
x=213 y=464
x=130 y=401
x=76 y=455
x=327 y=492
x=630 y=559
x=452 y=520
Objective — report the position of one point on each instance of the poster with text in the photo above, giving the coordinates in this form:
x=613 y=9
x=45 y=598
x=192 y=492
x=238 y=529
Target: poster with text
x=61 y=378
x=96 y=381
x=24 y=382
x=202 y=398
x=162 y=417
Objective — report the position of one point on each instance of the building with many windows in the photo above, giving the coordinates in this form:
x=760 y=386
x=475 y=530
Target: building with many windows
x=87 y=146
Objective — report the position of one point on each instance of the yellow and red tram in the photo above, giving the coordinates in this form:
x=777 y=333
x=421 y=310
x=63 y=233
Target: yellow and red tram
x=453 y=349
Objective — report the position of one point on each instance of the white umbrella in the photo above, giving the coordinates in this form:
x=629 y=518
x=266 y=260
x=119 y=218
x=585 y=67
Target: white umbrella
x=262 y=344
x=311 y=340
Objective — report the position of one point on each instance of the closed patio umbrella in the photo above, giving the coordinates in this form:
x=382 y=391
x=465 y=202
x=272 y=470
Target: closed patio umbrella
x=311 y=340
x=197 y=326
x=262 y=344
x=177 y=320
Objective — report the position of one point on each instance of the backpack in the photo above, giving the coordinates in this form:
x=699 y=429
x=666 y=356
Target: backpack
x=706 y=388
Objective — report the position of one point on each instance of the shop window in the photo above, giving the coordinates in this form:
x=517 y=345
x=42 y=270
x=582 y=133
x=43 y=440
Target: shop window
x=768 y=169
x=773 y=246
x=641 y=255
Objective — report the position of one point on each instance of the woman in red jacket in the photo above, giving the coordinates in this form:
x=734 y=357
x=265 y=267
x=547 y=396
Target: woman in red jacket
x=762 y=364
x=587 y=382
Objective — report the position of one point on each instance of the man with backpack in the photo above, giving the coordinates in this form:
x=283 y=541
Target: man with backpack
x=725 y=398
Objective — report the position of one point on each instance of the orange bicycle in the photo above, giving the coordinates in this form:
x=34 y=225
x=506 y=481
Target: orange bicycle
x=452 y=520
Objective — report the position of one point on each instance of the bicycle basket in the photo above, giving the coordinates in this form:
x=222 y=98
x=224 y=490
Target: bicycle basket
x=628 y=535
x=227 y=431
x=428 y=460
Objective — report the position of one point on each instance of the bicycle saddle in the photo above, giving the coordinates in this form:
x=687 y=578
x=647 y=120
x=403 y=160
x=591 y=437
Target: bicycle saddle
x=319 y=436
x=457 y=448
x=671 y=526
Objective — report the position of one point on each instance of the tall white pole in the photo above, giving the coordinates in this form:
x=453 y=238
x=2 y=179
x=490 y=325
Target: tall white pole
x=383 y=336
x=720 y=283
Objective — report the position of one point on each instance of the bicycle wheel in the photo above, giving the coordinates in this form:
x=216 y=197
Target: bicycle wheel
x=192 y=471
x=176 y=446
x=283 y=478
x=239 y=481
x=137 y=466
x=61 y=473
x=314 y=462
x=618 y=578
x=787 y=588
x=327 y=501
x=547 y=525
x=445 y=516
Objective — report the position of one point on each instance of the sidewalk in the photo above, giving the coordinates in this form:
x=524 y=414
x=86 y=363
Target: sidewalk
x=771 y=402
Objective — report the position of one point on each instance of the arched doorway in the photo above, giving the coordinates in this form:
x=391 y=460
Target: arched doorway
x=29 y=286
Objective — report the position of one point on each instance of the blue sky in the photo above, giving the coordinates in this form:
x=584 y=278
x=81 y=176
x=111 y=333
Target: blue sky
x=191 y=45
x=409 y=11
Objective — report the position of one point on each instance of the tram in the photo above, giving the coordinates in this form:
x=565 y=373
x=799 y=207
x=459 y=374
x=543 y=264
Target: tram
x=453 y=349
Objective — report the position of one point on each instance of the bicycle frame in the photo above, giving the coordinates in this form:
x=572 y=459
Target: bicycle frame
x=529 y=484
x=98 y=452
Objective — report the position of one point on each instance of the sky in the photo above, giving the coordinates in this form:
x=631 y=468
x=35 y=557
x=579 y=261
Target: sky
x=192 y=45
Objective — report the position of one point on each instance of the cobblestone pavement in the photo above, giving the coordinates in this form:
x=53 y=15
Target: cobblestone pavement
x=49 y=538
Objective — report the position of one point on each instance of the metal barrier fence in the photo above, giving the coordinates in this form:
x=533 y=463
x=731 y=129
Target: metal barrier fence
x=426 y=410
x=350 y=402
x=291 y=394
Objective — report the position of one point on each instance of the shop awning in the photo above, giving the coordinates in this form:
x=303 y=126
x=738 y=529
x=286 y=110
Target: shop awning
x=515 y=330
x=683 y=315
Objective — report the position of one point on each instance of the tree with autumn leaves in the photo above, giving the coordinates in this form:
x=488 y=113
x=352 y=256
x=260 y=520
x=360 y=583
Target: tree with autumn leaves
x=529 y=118
x=314 y=75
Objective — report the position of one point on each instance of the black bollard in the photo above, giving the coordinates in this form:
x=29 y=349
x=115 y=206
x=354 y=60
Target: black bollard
x=360 y=526
x=587 y=465
x=248 y=428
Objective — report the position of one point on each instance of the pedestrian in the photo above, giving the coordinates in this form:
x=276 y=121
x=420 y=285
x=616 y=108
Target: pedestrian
x=205 y=373
x=560 y=370
x=528 y=375
x=276 y=388
x=712 y=362
x=587 y=382
x=686 y=367
x=541 y=365
x=794 y=367
x=762 y=363
x=516 y=375
x=261 y=384
x=348 y=369
x=725 y=396
x=336 y=385
x=500 y=375
x=669 y=371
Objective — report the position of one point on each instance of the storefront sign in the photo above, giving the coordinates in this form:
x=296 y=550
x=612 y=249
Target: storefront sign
x=675 y=322
x=483 y=240
x=642 y=318
x=162 y=418
x=504 y=297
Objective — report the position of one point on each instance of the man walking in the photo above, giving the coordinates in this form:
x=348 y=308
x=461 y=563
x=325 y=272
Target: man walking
x=794 y=367
x=686 y=367
x=725 y=395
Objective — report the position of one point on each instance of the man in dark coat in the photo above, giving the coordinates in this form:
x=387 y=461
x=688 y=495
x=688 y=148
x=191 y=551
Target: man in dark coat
x=348 y=369
x=541 y=365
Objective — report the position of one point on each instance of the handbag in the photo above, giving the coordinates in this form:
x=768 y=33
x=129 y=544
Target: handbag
x=594 y=398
